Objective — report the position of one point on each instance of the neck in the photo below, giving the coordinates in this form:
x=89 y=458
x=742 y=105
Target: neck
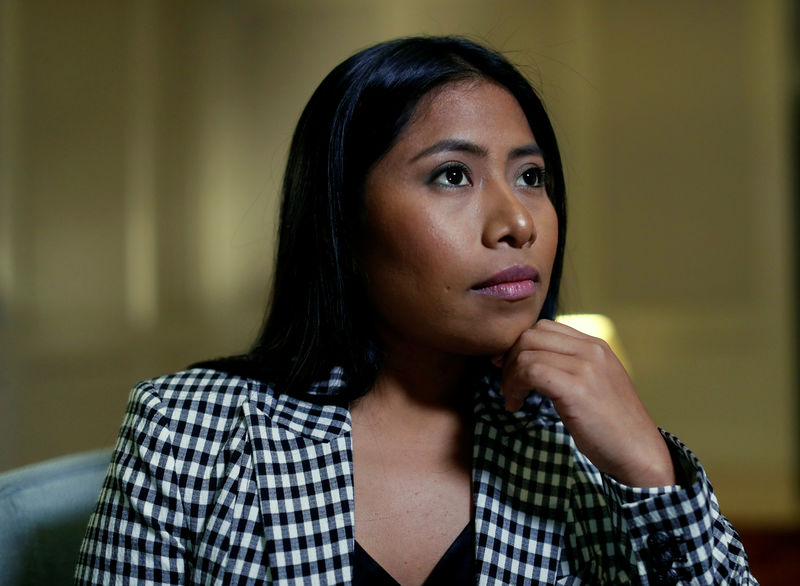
x=430 y=379
x=420 y=392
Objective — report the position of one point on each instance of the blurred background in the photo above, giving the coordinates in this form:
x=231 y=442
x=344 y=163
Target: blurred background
x=142 y=146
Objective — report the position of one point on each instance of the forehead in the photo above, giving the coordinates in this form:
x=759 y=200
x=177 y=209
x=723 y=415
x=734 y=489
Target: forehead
x=466 y=107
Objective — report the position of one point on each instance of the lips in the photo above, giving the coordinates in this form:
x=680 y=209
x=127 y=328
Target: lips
x=510 y=275
x=513 y=283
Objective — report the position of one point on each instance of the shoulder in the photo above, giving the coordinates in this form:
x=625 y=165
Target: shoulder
x=200 y=389
x=198 y=397
x=187 y=430
x=206 y=407
x=190 y=416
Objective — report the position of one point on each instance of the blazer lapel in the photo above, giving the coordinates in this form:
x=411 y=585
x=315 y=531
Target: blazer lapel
x=303 y=461
x=522 y=481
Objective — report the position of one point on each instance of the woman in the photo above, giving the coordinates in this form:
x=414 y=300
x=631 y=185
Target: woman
x=410 y=412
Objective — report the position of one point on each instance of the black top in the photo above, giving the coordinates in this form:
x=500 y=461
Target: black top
x=454 y=569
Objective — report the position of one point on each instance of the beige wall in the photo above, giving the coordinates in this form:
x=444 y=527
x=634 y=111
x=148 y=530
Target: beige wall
x=141 y=151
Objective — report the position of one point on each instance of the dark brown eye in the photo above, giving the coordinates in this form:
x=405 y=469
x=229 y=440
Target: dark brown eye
x=454 y=176
x=451 y=176
x=533 y=177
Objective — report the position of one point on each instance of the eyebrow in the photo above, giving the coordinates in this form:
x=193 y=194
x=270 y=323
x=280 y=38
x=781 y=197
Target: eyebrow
x=526 y=151
x=454 y=144
x=451 y=144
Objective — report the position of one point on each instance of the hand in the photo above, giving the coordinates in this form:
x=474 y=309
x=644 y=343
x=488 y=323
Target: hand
x=595 y=398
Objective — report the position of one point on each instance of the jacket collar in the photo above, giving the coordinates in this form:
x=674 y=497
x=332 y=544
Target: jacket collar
x=303 y=461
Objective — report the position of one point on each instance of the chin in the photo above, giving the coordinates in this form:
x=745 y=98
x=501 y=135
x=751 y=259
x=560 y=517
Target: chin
x=497 y=344
x=506 y=338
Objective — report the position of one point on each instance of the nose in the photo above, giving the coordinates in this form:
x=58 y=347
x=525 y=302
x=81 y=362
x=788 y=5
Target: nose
x=507 y=221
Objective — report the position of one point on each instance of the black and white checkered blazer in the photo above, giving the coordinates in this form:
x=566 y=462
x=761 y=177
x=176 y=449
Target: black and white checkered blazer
x=218 y=479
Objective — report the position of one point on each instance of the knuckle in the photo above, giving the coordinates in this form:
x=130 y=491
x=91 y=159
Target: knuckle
x=599 y=349
x=536 y=371
x=585 y=370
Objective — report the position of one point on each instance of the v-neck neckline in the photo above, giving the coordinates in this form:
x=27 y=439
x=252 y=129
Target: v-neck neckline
x=455 y=567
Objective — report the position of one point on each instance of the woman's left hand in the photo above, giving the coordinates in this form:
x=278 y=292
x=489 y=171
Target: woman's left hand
x=595 y=398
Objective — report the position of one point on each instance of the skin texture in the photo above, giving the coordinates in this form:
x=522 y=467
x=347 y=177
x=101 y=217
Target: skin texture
x=457 y=200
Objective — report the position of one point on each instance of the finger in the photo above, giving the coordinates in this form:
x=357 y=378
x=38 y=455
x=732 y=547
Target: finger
x=545 y=371
x=554 y=326
x=513 y=385
x=527 y=337
x=551 y=341
x=557 y=387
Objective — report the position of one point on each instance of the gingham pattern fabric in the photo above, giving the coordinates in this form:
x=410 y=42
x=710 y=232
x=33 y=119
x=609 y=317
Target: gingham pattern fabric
x=217 y=479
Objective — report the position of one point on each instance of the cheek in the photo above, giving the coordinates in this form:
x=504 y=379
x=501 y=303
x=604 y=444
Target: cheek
x=547 y=232
x=415 y=238
x=411 y=258
x=547 y=241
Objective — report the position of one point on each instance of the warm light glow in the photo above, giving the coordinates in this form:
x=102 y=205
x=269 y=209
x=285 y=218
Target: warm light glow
x=599 y=326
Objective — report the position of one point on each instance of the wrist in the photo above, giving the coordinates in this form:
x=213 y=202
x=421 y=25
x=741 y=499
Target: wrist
x=657 y=470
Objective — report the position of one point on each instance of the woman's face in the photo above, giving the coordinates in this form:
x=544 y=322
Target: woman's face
x=459 y=234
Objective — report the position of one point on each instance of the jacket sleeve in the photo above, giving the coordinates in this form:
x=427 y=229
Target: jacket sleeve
x=677 y=533
x=136 y=533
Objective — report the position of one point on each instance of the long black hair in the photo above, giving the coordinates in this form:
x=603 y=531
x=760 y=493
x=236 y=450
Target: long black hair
x=318 y=316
